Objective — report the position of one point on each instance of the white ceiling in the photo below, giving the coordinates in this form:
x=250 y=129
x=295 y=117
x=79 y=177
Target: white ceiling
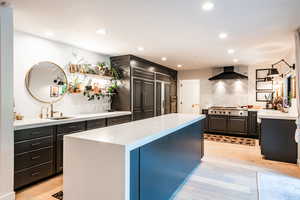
x=259 y=30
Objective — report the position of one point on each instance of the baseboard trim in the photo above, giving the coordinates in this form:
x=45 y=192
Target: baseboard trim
x=9 y=196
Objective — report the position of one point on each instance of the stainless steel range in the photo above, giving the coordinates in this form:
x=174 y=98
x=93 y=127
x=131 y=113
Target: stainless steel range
x=230 y=111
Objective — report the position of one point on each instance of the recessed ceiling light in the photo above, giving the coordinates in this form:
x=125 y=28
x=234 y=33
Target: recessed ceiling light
x=140 y=49
x=49 y=34
x=231 y=51
x=207 y=6
x=101 y=31
x=163 y=58
x=179 y=66
x=223 y=35
x=235 y=60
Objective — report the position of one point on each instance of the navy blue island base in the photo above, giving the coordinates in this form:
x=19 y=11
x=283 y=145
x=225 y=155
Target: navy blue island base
x=159 y=168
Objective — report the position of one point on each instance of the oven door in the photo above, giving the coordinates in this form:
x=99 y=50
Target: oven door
x=237 y=125
x=217 y=123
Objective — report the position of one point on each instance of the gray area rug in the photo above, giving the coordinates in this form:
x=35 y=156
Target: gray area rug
x=278 y=187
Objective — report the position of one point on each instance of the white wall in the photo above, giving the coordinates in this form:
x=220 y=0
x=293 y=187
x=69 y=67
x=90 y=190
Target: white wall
x=223 y=92
x=30 y=50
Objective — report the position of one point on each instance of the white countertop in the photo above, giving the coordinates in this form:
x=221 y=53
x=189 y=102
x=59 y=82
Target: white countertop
x=275 y=114
x=137 y=133
x=34 y=123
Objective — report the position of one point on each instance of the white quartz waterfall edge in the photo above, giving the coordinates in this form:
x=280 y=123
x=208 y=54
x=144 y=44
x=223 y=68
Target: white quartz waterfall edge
x=297 y=134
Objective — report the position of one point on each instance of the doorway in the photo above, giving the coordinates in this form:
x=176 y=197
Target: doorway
x=189 y=96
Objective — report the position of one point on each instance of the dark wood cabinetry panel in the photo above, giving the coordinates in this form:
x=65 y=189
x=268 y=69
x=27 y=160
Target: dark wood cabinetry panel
x=31 y=145
x=205 y=112
x=34 y=133
x=237 y=125
x=32 y=158
x=158 y=99
x=59 y=153
x=31 y=175
x=122 y=101
x=97 y=123
x=71 y=128
x=217 y=123
x=62 y=130
x=39 y=151
x=143 y=99
x=34 y=155
x=278 y=140
x=252 y=124
x=148 y=99
x=137 y=99
x=118 y=120
x=167 y=102
x=134 y=67
x=140 y=73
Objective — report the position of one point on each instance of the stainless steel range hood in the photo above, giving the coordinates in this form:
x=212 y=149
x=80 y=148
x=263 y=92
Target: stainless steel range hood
x=228 y=73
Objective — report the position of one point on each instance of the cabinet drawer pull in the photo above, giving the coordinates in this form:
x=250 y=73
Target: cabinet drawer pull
x=35 y=174
x=35 y=157
x=36 y=144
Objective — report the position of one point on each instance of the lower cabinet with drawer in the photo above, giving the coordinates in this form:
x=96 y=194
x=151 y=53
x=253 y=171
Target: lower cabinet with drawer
x=34 y=155
x=39 y=151
x=97 y=123
x=63 y=130
x=118 y=120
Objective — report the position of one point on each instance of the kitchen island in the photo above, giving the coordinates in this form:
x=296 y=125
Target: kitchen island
x=277 y=135
x=141 y=160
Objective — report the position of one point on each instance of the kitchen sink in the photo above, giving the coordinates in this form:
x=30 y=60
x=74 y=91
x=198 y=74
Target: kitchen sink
x=60 y=118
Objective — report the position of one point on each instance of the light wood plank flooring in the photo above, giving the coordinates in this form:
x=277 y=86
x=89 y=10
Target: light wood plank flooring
x=228 y=172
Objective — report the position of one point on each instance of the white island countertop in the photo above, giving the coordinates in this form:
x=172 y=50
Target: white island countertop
x=36 y=122
x=137 y=133
x=275 y=114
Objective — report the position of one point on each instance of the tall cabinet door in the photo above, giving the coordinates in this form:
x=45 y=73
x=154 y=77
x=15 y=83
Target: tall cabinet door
x=158 y=99
x=137 y=99
x=148 y=99
x=167 y=102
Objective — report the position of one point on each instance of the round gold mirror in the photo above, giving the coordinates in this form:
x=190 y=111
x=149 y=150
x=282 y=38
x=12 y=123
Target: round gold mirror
x=46 y=82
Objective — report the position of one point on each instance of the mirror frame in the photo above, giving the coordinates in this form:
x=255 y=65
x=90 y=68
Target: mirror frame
x=36 y=98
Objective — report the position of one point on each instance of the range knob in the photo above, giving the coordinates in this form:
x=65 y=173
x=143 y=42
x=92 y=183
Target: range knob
x=229 y=113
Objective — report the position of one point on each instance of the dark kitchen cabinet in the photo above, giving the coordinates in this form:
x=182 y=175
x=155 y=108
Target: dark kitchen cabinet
x=252 y=124
x=118 y=120
x=137 y=99
x=148 y=99
x=39 y=151
x=63 y=130
x=158 y=99
x=217 y=123
x=59 y=153
x=278 y=140
x=237 y=125
x=143 y=99
x=205 y=112
x=97 y=123
x=34 y=155
x=141 y=82
x=167 y=102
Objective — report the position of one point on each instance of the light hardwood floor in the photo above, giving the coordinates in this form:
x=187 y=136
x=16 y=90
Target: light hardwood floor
x=227 y=172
